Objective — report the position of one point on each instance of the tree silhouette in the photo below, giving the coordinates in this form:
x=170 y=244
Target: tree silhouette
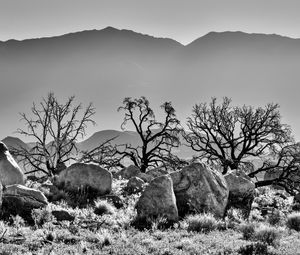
x=55 y=128
x=232 y=136
x=157 y=138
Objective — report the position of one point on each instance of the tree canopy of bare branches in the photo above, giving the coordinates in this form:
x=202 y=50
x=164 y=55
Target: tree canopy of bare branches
x=230 y=135
x=55 y=128
x=103 y=155
x=157 y=138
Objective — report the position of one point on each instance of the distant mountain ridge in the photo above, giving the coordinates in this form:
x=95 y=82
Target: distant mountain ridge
x=121 y=137
x=104 y=66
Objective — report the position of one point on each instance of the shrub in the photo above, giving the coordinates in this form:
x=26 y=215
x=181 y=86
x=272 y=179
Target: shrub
x=42 y=216
x=255 y=215
x=293 y=221
x=17 y=221
x=103 y=207
x=153 y=223
x=202 y=223
x=248 y=230
x=254 y=249
x=276 y=217
x=296 y=207
x=267 y=234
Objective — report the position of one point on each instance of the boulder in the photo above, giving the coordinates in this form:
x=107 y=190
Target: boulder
x=23 y=191
x=273 y=174
x=85 y=176
x=135 y=185
x=156 y=172
x=128 y=172
x=10 y=172
x=62 y=215
x=21 y=200
x=241 y=191
x=200 y=189
x=157 y=200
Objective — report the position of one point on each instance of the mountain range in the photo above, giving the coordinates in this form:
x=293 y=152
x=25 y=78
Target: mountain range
x=104 y=66
x=121 y=137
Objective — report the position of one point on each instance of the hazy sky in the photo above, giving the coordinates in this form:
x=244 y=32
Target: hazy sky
x=183 y=20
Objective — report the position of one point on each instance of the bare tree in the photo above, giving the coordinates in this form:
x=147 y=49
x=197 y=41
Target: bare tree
x=157 y=138
x=104 y=155
x=55 y=127
x=284 y=168
x=233 y=135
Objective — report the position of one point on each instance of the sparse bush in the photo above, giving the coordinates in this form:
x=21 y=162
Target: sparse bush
x=293 y=221
x=42 y=216
x=296 y=207
x=255 y=215
x=276 y=217
x=82 y=197
x=248 y=230
x=267 y=234
x=254 y=249
x=202 y=223
x=17 y=221
x=103 y=207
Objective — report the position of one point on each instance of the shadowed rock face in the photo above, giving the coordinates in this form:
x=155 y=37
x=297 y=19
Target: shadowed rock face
x=241 y=191
x=200 y=189
x=10 y=172
x=21 y=200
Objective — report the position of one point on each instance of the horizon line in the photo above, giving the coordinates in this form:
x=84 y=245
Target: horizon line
x=145 y=34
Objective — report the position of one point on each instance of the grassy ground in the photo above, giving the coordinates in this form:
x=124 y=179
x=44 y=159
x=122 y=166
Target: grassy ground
x=102 y=229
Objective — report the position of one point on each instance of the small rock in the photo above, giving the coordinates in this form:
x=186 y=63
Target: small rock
x=135 y=185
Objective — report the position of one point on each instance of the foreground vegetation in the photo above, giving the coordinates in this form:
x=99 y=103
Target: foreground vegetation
x=103 y=229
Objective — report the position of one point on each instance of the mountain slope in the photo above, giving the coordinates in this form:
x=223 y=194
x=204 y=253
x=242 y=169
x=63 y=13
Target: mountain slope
x=107 y=65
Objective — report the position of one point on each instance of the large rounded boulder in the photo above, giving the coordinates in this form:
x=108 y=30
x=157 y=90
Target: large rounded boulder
x=158 y=200
x=241 y=191
x=21 y=200
x=200 y=189
x=10 y=172
x=81 y=176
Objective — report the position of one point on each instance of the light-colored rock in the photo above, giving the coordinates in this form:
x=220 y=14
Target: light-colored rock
x=10 y=172
x=128 y=172
x=135 y=185
x=200 y=189
x=81 y=175
x=23 y=191
x=241 y=191
x=158 y=199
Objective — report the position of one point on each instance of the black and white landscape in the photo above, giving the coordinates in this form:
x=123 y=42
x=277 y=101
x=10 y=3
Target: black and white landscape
x=149 y=127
